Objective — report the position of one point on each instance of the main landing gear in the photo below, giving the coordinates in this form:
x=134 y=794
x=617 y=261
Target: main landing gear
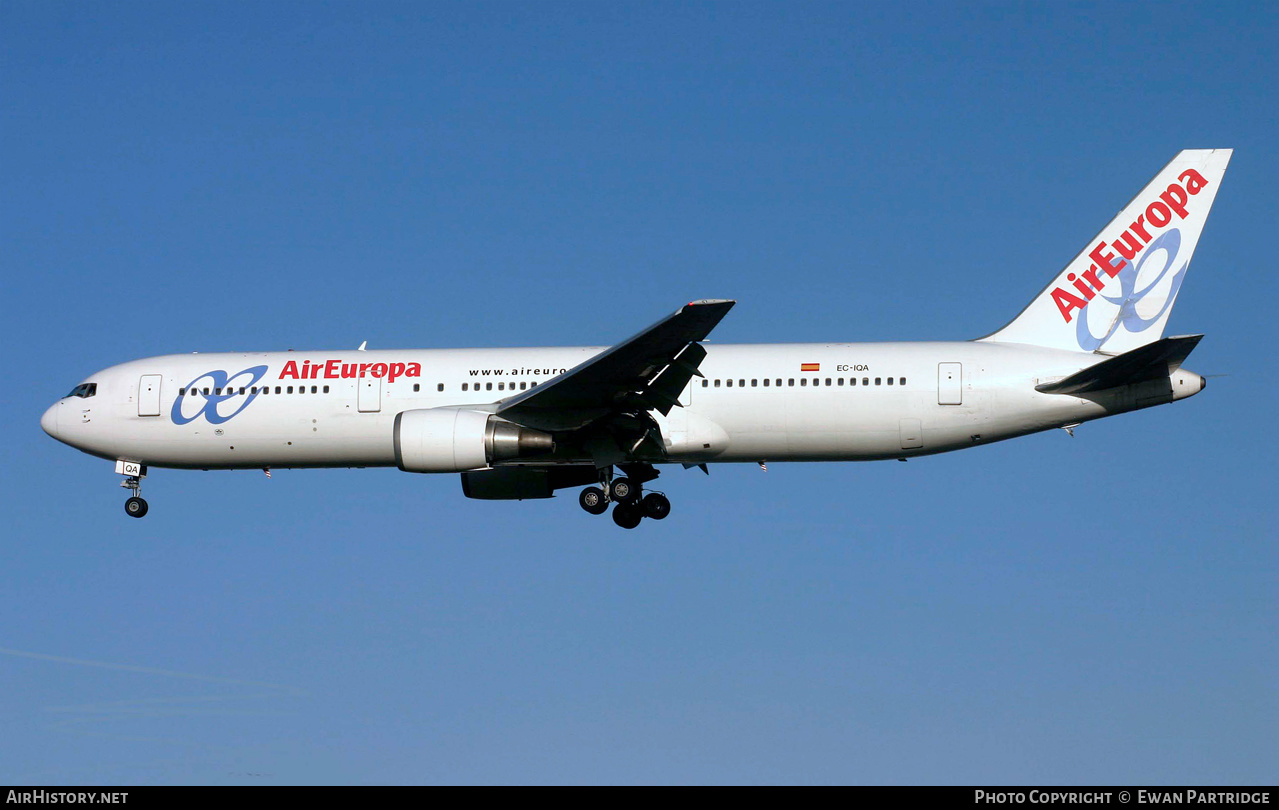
x=632 y=504
x=133 y=474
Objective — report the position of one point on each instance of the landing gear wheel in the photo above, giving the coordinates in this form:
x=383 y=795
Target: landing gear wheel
x=135 y=507
x=623 y=490
x=627 y=515
x=655 y=505
x=592 y=500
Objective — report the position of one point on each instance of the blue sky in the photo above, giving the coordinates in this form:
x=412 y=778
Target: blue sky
x=209 y=176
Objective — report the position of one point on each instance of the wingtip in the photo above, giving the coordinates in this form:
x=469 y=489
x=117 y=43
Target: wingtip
x=702 y=302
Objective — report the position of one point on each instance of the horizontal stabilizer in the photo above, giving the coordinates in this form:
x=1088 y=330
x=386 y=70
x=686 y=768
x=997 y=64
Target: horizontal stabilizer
x=1150 y=362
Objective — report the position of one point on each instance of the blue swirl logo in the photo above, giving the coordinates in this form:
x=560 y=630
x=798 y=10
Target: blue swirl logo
x=220 y=389
x=1130 y=296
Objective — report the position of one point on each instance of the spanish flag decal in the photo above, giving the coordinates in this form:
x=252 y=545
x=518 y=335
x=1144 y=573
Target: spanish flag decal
x=810 y=366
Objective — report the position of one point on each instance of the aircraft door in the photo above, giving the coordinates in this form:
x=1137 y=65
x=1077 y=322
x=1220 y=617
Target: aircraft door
x=950 y=384
x=149 y=395
x=370 y=394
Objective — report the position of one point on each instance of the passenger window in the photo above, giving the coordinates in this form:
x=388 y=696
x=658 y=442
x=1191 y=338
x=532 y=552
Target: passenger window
x=438 y=387
x=206 y=392
x=890 y=380
x=790 y=381
x=901 y=380
x=314 y=390
x=729 y=383
x=277 y=389
x=865 y=380
x=181 y=392
x=705 y=383
x=523 y=386
x=217 y=392
x=803 y=382
x=841 y=380
x=290 y=389
x=877 y=380
x=754 y=383
x=717 y=383
x=741 y=383
x=828 y=382
x=326 y=389
x=488 y=386
x=779 y=382
x=765 y=382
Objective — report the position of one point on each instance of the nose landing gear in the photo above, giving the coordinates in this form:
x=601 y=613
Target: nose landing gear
x=135 y=507
x=133 y=474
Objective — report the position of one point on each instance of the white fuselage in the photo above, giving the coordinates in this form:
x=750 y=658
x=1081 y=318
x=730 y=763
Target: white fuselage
x=755 y=403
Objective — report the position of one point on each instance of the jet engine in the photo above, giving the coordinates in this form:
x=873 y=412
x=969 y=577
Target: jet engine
x=432 y=440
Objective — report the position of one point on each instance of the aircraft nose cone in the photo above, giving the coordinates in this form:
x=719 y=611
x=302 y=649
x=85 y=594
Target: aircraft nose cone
x=49 y=422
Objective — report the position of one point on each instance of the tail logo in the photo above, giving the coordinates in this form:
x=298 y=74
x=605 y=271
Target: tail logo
x=1167 y=245
x=1136 y=237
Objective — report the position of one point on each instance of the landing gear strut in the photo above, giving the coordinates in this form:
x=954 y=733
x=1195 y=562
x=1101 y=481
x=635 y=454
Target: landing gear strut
x=133 y=474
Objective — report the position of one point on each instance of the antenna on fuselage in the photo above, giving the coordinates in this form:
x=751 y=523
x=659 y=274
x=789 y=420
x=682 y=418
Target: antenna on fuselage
x=362 y=345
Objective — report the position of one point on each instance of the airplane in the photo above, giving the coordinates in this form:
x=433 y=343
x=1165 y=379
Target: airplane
x=522 y=423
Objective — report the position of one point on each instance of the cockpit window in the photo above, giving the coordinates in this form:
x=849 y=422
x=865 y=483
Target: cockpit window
x=84 y=390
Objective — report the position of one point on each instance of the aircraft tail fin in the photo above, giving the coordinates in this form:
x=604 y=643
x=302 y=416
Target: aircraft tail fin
x=1117 y=294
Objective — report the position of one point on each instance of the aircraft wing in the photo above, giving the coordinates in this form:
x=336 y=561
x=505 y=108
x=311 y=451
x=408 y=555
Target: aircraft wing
x=647 y=371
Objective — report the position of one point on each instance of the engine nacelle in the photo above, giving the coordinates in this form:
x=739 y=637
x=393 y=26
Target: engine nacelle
x=455 y=439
